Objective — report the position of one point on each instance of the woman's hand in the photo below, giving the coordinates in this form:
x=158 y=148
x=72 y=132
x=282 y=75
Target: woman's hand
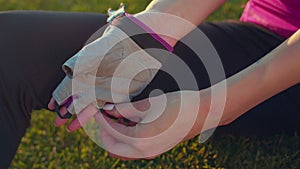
x=162 y=123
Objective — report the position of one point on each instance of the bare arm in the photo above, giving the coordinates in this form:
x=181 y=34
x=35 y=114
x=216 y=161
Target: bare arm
x=277 y=71
x=272 y=74
x=176 y=18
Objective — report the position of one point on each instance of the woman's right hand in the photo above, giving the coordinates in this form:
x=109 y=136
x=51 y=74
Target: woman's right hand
x=162 y=122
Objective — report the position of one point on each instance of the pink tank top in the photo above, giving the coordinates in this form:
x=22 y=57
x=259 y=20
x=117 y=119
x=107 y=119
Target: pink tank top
x=279 y=16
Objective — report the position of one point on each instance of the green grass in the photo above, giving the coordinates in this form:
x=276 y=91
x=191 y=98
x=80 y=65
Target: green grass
x=46 y=146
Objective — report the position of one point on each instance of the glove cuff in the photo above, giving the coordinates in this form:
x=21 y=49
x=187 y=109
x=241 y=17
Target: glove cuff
x=143 y=35
x=150 y=32
x=139 y=32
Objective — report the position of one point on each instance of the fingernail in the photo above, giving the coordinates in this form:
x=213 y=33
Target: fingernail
x=108 y=107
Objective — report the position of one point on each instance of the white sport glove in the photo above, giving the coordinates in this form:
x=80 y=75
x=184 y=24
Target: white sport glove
x=113 y=68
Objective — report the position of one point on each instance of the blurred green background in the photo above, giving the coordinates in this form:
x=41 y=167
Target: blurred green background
x=46 y=146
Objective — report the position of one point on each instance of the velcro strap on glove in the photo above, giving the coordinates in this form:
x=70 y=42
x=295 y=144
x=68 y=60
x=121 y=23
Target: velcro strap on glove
x=143 y=36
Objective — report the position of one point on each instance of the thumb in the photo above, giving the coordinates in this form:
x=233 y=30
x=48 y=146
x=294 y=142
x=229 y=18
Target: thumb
x=133 y=111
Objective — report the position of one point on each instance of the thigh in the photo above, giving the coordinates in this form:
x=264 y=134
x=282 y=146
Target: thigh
x=33 y=46
x=10 y=133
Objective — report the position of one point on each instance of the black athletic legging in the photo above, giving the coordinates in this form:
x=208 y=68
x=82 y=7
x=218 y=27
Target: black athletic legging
x=34 y=45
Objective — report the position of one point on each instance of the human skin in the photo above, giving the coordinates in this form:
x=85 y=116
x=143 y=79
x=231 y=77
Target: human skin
x=161 y=16
x=181 y=16
x=272 y=74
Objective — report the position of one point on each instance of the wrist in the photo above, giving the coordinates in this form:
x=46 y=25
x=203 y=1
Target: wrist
x=152 y=21
x=169 y=27
x=167 y=42
x=144 y=22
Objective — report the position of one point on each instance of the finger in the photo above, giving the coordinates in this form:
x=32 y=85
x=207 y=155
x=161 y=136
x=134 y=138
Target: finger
x=114 y=138
x=133 y=111
x=51 y=104
x=82 y=118
x=111 y=110
x=112 y=155
x=59 y=121
x=127 y=122
x=151 y=158
x=106 y=122
x=117 y=149
x=122 y=158
x=106 y=138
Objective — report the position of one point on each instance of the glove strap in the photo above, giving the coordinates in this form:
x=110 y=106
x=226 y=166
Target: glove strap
x=140 y=33
x=150 y=31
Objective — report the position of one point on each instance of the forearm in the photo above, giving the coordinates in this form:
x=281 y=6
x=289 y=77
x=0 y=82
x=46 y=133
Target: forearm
x=173 y=19
x=272 y=74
